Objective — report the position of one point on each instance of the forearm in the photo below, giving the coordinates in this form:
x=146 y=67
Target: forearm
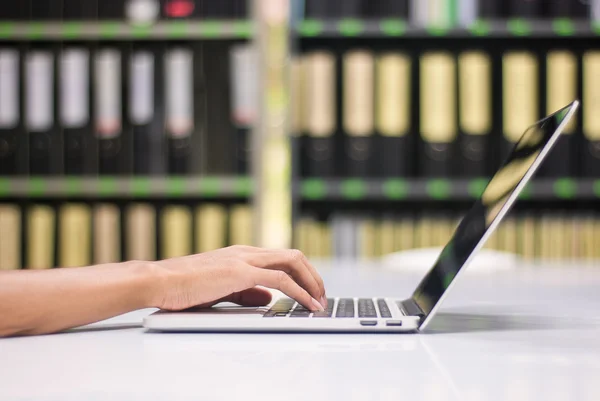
x=46 y=301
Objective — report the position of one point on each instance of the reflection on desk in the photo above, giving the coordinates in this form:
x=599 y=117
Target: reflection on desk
x=527 y=334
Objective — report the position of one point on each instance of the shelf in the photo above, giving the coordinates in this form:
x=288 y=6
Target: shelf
x=438 y=189
x=400 y=28
x=205 y=29
x=138 y=187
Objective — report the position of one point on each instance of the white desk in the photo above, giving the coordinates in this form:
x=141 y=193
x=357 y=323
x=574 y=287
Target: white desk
x=532 y=334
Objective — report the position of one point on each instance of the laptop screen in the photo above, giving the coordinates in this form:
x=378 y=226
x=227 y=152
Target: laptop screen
x=485 y=214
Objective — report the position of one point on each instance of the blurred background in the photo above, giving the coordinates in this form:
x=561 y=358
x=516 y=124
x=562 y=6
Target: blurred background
x=149 y=129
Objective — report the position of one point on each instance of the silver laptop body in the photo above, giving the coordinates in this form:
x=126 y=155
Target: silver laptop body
x=384 y=314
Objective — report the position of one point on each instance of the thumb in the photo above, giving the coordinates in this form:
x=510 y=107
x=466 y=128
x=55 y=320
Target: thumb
x=251 y=297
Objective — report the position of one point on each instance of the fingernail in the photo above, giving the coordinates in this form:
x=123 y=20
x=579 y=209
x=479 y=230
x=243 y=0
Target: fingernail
x=318 y=305
x=324 y=301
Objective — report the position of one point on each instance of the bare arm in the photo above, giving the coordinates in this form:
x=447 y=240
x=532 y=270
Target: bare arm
x=47 y=301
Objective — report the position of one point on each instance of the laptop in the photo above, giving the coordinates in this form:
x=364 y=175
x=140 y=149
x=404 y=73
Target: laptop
x=385 y=314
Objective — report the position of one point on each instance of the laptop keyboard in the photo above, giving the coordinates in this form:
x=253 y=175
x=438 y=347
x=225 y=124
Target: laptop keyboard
x=345 y=308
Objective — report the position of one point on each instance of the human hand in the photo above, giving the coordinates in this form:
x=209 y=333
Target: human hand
x=232 y=274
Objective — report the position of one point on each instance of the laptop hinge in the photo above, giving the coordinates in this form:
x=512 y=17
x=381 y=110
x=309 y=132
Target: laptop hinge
x=411 y=308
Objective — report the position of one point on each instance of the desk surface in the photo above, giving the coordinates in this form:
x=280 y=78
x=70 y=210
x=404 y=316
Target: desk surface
x=526 y=334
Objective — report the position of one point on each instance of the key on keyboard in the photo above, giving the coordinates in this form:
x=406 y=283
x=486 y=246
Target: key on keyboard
x=383 y=308
x=345 y=308
x=366 y=308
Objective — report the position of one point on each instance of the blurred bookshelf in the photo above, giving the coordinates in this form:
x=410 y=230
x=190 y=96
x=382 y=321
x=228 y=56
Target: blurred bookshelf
x=288 y=124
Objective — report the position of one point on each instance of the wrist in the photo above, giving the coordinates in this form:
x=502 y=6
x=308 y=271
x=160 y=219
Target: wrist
x=150 y=283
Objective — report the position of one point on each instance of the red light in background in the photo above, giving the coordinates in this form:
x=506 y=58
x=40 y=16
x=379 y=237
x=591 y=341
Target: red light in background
x=179 y=8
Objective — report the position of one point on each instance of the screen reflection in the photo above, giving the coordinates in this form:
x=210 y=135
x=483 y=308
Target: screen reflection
x=486 y=209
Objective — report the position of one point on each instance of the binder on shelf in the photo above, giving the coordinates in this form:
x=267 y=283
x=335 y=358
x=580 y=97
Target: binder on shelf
x=41 y=237
x=10 y=240
x=15 y=10
x=366 y=238
x=525 y=9
x=176 y=231
x=109 y=127
x=419 y=12
x=80 y=10
x=405 y=233
x=45 y=138
x=179 y=115
x=490 y=9
x=297 y=96
x=107 y=234
x=244 y=99
x=75 y=232
x=80 y=144
x=358 y=90
x=218 y=124
x=392 y=9
x=590 y=154
x=317 y=9
x=50 y=10
x=146 y=107
x=520 y=95
x=348 y=8
x=241 y=225
x=111 y=10
x=468 y=12
x=438 y=113
x=595 y=10
x=561 y=84
x=441 y=13
x=475 y=112
x=320 y=107
x=141 y=233
x=14 y=146
x=210 y=227
x=567 y=9
x=386 y=238
x=393 y=115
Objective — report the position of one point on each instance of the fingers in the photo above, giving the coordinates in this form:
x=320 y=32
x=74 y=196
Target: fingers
x=292 y=263
x=279 y=280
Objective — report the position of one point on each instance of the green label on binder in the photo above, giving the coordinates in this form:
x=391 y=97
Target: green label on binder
x=565 y=188
x=37 y=187
x=210 y=186
x=353 y=189
x=242 y=29
x=310 y=27
x=109 y=30
x=4 y=186
x=519 y=27
x=563 y=27
x=350 y=27
x=243 y=186
x=72 y=30
x=393 y=27
x=140 y=187
x=211 y=29
x=314 y=189
x=395 y=189
x=597 y=188
x=177 y=29
x=439 y=189
x=476 y=187
x=35 y=31
x=107 y=186
x=437 y=30
x=141 y=31
x=480 y=28
x=6 y=29
x=73 y=186
x=175 y=186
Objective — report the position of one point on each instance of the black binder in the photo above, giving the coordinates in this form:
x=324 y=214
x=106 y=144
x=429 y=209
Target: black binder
x=110 y=88
x=76 y=110
x=80 y=10
x=111 y=9
x=46 y=10
x=41 y=98
x=180 y=62
x=14 y=146
x=525 y=8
